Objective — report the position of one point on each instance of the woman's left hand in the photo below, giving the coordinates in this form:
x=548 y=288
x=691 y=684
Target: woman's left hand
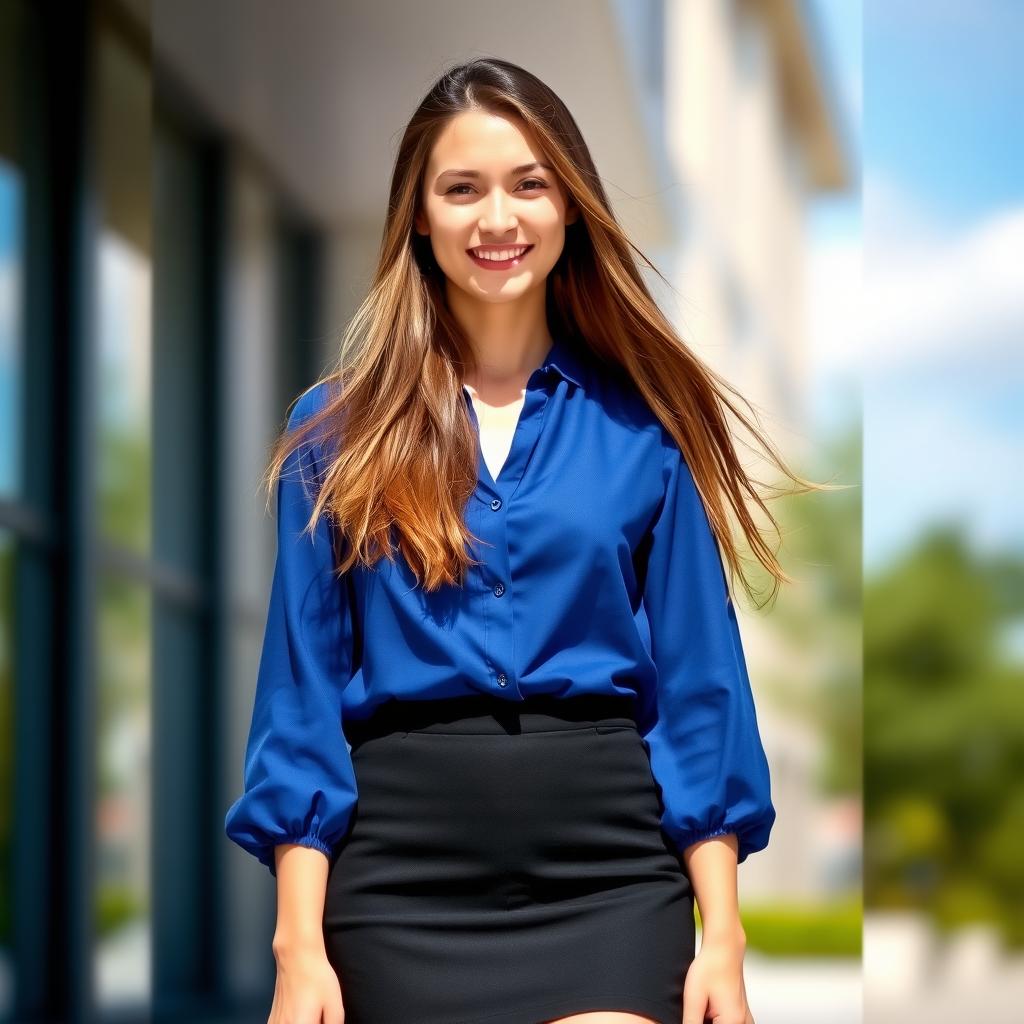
x=714 y=987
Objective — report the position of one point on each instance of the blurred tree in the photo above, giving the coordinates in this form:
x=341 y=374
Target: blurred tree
x=944 y=735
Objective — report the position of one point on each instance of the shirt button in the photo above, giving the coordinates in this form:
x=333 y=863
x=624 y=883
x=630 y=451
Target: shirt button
x=502 y=679
x=495 y=504
x=499 y=589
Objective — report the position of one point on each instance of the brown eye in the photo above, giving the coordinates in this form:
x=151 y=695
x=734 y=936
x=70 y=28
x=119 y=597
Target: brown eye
x=529 y=181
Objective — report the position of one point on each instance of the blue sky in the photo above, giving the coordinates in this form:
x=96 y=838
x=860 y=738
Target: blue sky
x=937 y=236
x=944 y=101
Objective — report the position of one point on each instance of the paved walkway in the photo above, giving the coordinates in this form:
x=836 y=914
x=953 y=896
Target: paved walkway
x=803 y=991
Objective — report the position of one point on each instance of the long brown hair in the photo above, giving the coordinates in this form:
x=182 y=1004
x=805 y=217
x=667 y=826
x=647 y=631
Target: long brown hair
x=408 y=461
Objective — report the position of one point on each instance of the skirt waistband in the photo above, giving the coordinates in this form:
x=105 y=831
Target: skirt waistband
x=488 y=715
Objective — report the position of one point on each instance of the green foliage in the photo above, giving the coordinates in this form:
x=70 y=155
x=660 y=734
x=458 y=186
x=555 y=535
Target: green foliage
x=829 y=929
x=116 y=906
x=944 y=736
x=931 y=622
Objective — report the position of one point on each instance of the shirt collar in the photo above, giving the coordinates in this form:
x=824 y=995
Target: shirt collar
x=565 y=360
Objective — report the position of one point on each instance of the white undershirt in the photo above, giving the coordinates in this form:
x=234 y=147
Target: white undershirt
x=497 y=429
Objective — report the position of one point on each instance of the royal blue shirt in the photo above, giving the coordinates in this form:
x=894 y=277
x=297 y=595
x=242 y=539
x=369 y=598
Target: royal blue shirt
x=600 y=574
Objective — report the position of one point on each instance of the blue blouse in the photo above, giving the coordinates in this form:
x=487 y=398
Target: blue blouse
x=600 y=574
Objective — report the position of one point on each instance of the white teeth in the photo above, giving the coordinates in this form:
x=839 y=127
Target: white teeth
x=503 y=254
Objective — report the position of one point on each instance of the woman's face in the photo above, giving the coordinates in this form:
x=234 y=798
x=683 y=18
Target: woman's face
x=480 y=194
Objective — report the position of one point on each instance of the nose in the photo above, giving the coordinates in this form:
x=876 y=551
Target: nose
x=497 y=216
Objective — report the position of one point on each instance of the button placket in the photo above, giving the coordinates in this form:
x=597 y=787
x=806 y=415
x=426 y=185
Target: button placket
x=499 y=638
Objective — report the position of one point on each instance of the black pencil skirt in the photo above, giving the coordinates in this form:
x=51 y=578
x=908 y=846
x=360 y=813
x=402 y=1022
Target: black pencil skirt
x=506 y=865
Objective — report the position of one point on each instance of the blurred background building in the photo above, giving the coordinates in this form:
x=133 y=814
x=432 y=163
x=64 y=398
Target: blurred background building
x=191 y=199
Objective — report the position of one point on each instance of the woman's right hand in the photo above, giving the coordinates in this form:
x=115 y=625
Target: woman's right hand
x=307 y=989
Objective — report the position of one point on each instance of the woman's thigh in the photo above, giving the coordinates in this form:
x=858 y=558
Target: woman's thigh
x=602 y=1017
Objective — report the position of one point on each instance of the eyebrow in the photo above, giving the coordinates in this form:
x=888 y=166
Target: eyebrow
x=521 y=169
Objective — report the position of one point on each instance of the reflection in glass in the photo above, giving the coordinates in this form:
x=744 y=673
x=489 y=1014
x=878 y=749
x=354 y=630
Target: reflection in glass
x=12 y=315
x=123 y=806
x=125 y=442
x=123 y=488
x=6 y=769
x=11 y=207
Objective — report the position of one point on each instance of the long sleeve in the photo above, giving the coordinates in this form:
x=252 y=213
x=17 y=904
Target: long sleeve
x=299 y=785
x=700 y=724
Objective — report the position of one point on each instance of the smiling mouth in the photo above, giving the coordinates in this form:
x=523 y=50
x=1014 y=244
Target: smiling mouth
x=494 y=258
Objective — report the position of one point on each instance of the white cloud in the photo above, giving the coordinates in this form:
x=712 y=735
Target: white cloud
x=940 y=299
x=943 y=328
x=10 y=308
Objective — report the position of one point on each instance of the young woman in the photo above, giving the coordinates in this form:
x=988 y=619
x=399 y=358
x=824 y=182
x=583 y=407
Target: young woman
x=503 y=732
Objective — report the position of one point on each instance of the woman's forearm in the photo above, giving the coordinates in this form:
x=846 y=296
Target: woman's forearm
x=301 y=891
x=712 y=867
x=302 y=886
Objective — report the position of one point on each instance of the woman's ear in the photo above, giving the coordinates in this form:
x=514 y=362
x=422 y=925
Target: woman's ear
x=572 y=214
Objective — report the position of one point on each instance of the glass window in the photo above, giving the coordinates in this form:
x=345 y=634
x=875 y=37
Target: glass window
x=123 y=494
x=12 y=205
x=12 y=259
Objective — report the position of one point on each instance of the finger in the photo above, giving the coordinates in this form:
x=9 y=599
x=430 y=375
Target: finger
x=334 y=1014
x=735 y=1016
x=274 y=1015
x=695 y=1003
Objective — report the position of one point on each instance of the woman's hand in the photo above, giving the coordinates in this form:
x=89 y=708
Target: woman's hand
x=714 y=986
x=307 y=989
